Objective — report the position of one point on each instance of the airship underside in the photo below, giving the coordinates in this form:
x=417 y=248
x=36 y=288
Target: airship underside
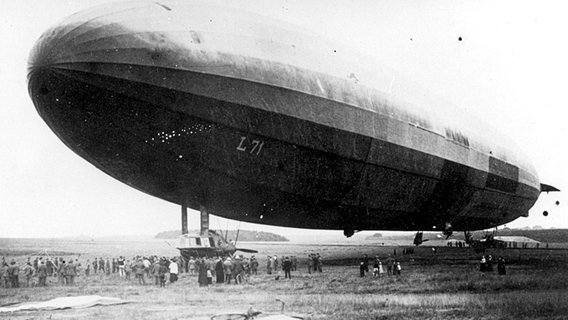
x=262 y=122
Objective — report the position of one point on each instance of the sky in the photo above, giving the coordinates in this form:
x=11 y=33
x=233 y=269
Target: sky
x=509 y=69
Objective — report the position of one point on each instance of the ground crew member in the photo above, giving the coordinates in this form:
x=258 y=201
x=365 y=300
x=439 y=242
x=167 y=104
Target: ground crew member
x=42 y=273
x=5 y=274
x=107 y=267
x=140 y=272
x=253 y=265
x=50 y=267
x=70 y=273
x=227 y=269
x=269 y=265
x=501 y=266
x=287 y=267
x=101 y=265
x=28 y=273
x=61 y=273
x=173 y=271
x=162 y=271
x=14 y=272
x=128 y=269
x=155 y=271
x=88 y=268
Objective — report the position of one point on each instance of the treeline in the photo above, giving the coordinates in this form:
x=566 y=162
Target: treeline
x=244 y=235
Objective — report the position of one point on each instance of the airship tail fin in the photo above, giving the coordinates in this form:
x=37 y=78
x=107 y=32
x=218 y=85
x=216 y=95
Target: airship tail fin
x=547 y=188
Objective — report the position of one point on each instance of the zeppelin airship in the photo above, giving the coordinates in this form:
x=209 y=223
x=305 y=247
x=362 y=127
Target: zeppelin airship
x=241 y=115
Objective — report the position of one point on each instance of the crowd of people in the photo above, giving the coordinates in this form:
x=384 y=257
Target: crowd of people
x=486 y=265
x=145 y=270
x=393 y=267
x=64 y=271
x=208 y=270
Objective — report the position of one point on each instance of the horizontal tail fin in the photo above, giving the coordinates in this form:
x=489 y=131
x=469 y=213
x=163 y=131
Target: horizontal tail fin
x=547 y=188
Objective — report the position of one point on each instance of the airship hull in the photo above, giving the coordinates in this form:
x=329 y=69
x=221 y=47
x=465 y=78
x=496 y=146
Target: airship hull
x=266 y=141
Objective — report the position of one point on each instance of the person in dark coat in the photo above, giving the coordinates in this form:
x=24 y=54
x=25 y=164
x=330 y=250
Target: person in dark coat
x=483 y=264
x=287 y=266
x=366 y=262
x=70 y=273
x=501 y=266
x=362 y=269
x=162 y=272
x=490 y=263
x=42 y=274
x=219 y=271
x=202 y=272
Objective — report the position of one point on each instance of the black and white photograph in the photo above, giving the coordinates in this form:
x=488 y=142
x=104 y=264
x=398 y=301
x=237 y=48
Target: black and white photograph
x=283 y=159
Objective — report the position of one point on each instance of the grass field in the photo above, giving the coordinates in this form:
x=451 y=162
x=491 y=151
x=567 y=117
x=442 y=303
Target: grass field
x=441 y=285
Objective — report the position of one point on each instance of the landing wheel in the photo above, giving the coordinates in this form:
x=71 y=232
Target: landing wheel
x=348 y=232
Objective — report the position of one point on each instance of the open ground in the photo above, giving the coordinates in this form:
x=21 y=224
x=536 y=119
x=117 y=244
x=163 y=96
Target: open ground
x=445 y=284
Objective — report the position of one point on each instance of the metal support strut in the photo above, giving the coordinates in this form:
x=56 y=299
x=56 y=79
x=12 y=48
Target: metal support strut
x=183 y=219
x=204 y=219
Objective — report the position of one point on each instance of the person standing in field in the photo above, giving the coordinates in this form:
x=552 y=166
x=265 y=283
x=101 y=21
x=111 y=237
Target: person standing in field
x=237 y=270
x=28 y=273
x=162 y=272
x=127 y=269
x=269 y=265
x=173 y=270
x=362 y=269
x=155 y=271
x=398 y=268
x=50 y=267
x=376 y=269
x=227 y=270
x=191 y=266
x=180 y=263
x=147 y=265
x=310 y=263
x=139 y=272
x=483 y=264
x=202 y=272
x=88 y=268
x=489 y=263
x=61 y=273
x=253 y=265
x=120 y=264
x=501 y=266
x=4 y=273
x=107 y=267
x=70 y=273
x=219 y=270
x=14 y=272
x=276 y=264
x=320 y=262
x=389 y=266
x=366 y=262
x=42 y=274
x=287 y=266
x=211 y=270
x=101 y=265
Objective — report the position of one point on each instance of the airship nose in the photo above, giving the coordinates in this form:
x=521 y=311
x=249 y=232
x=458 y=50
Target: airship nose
x=40 y=66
